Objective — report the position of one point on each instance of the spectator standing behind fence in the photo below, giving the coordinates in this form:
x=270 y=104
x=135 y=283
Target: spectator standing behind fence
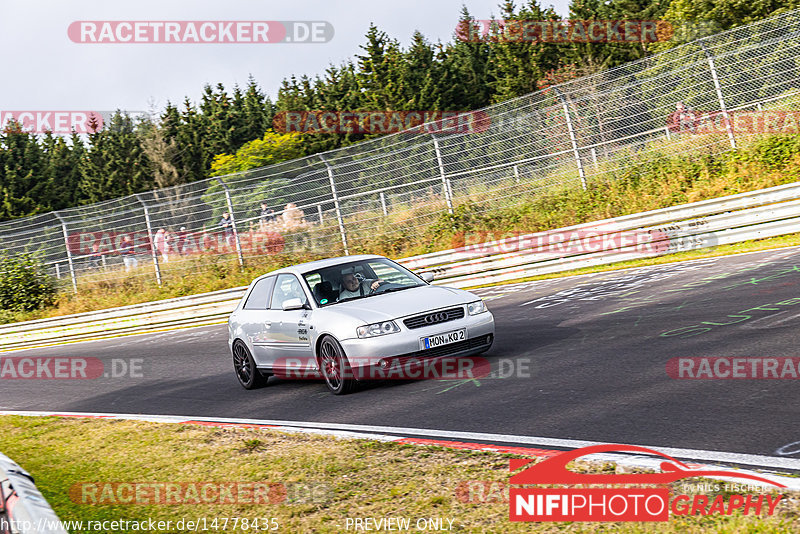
x=181 y=244
x=160 y=242
x=683 y=119
x=128 y=253
x=292 y=216
x=267 y=217
x=96 y=257
x=226 y=223
x=169 y=244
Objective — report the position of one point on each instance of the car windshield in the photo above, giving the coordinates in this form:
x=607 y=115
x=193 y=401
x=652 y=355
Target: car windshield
x=359 y=279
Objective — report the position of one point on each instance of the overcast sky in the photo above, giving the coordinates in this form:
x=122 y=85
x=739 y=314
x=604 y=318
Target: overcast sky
x=44 y=70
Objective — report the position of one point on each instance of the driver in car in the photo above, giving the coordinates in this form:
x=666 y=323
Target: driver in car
x=351 y=287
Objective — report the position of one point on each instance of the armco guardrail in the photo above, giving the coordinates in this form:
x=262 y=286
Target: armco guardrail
x=195 y=310
x=754 y=215
x=26 y=510
x=633 y=221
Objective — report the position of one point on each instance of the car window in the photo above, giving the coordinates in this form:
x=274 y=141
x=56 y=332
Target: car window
x=313 y=279
x=391 y=274
x=287 y=287
x=258 y=299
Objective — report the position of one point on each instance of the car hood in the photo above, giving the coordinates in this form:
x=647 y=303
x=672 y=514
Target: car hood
x=403 y=303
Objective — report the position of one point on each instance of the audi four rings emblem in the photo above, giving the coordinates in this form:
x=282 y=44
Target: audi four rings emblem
x=436 y=318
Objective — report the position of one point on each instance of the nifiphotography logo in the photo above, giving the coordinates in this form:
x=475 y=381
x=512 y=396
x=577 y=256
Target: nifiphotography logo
x=650 y=502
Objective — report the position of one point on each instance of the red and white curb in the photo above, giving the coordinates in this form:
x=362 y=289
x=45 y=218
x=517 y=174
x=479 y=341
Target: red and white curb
x=500 y=443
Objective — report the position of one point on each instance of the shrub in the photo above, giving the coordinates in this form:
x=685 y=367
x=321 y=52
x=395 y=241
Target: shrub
x=24 y=284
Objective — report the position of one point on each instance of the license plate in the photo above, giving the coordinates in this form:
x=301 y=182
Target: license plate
x=438 y=340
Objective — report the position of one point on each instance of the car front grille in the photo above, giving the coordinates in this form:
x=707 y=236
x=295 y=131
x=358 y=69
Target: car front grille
x=434 y=318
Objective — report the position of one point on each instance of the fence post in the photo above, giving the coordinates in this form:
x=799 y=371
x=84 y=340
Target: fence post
x=69 y=253
x=516 y=174
x=319 y=211
x=445 y=188
x=718 y=89
x=153 y=251
x=572 y=137
x=233 y=222
x=336 y=204
x=383 y=205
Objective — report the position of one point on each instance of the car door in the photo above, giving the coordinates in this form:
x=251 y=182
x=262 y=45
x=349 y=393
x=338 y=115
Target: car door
x=291 y=338
x=257 y=321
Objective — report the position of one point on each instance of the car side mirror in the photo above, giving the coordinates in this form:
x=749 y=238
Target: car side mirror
x=293 y=304
x=428 y=277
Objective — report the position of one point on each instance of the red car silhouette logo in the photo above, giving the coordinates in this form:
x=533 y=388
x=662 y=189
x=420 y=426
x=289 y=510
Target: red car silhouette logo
x=554 y=470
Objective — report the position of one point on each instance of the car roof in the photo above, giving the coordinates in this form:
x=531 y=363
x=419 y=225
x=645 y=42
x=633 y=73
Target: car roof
x=302 y=268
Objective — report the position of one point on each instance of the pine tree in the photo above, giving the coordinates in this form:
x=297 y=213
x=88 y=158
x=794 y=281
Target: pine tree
x=464 y=78
x=420 y=90
x=379 y=72
x=517 y=64
x=115 y=164
x=62 y=170
x=22 y=190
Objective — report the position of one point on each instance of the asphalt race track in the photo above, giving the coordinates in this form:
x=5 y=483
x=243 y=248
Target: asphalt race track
x=587 y=358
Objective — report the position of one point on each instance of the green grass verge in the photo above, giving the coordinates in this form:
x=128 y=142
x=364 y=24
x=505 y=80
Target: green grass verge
x=347 y=478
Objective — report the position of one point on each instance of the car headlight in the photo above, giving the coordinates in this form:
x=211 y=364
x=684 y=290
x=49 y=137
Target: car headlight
x=474 y=308
x=378 y=329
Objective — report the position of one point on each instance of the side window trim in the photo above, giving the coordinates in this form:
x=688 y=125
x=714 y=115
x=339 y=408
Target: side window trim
x=276 y=287
x=270 y=282
x=271 y=289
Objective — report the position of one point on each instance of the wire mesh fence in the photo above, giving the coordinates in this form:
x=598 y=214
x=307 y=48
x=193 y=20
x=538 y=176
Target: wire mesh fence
x=563 y=136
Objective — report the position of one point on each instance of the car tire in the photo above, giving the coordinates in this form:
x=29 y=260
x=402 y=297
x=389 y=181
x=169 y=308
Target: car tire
x=245 y=367
x=335 y=367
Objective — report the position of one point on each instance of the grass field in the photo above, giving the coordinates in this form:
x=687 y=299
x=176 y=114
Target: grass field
x=310 y=483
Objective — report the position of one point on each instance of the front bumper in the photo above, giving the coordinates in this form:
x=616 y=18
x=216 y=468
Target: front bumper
x=369 y=352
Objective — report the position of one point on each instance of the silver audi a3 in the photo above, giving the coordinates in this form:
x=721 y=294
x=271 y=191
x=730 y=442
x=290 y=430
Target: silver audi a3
x=343 y=318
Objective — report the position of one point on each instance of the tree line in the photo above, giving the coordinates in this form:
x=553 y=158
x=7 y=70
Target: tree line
x=230 y=130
